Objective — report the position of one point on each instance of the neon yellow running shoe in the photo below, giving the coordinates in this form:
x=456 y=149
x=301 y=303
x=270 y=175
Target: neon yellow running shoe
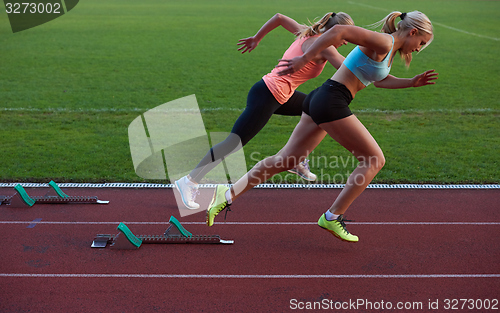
x=218 y=204
x=337 y=228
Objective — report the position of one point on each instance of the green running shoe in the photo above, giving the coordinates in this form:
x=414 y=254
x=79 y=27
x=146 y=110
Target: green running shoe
x=218 y=204
x=337 y=228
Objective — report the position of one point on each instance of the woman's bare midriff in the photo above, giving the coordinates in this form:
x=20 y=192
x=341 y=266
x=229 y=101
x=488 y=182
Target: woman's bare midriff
x=344 y=76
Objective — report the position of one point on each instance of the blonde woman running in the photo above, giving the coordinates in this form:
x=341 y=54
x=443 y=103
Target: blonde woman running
x=326 y=110
x=273 y=94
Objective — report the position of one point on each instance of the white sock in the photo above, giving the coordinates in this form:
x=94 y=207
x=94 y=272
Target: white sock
x=228 y=196
x=330 y=216
x=189 y=182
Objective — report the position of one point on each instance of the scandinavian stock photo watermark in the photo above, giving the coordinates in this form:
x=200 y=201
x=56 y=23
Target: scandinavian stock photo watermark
x=169 y=141
x=333 y=169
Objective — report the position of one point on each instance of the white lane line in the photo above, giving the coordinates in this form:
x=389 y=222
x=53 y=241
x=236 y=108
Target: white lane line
x=211 y=276
x=252 y=223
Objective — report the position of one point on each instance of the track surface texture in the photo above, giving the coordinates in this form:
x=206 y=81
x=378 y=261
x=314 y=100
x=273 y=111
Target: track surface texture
x=418 y=251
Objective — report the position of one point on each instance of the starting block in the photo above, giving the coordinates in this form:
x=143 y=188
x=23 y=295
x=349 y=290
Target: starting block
x=55 y=195
x=175 y=233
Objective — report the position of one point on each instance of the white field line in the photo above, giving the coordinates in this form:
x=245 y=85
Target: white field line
x=257 y=276
x=139 y=111
x=105 y=110
x=434 y=23
x=466 y=32
x=250 y=223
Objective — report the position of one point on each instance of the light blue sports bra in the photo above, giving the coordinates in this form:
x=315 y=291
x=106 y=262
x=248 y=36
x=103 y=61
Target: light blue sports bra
x=365 y=69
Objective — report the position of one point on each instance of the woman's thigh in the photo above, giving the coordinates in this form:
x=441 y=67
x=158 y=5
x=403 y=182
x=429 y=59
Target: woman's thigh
x=353 y=135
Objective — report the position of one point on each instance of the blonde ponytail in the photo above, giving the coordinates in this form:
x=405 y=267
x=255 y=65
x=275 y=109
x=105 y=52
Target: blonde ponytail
x=325 y=23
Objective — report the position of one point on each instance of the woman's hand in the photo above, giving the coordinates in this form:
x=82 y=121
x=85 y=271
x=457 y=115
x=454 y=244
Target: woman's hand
x=292 y=65
x=247 y=44
x=424 y=79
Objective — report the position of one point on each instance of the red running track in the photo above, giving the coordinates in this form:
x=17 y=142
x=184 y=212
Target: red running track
x=417 y=249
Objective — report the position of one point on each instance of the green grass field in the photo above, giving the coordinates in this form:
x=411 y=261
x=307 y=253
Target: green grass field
x=70 y=88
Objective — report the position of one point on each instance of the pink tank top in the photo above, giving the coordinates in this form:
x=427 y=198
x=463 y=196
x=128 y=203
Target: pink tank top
x=283 y=87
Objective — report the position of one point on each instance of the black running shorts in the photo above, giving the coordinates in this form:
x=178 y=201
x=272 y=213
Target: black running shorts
x=329 y=102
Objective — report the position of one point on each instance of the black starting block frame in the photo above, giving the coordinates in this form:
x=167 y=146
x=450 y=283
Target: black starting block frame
x=55 y=195
x=175 y=233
